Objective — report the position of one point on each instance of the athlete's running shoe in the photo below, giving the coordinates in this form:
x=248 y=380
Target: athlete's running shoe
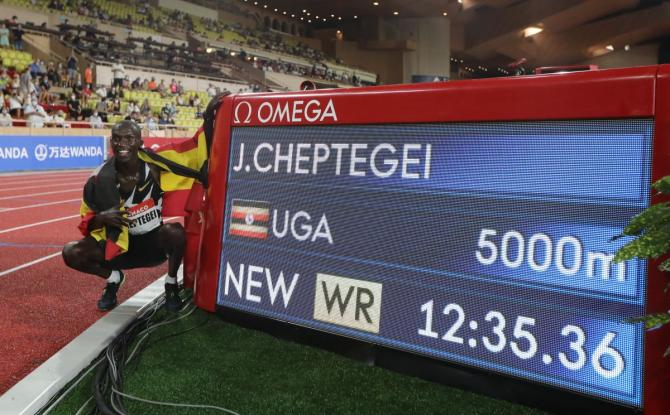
x=108 y=299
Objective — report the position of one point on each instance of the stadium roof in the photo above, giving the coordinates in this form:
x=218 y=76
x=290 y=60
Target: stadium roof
x=492 y=31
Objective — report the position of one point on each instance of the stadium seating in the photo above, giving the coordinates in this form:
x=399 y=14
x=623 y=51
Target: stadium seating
x=286 y=47
x=19 y=60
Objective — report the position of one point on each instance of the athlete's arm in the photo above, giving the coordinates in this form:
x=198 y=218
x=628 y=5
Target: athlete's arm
x=111 y=217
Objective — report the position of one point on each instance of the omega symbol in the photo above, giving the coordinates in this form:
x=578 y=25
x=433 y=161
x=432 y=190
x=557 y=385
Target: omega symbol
x=236 y=118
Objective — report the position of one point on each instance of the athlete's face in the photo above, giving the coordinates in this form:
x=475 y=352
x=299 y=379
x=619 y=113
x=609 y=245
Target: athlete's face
x=125 y=143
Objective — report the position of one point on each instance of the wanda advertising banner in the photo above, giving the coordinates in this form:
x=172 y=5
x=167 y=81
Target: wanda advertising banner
x=34 y=153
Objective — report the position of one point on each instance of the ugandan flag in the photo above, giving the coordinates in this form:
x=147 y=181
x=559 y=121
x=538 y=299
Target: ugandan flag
x=182 y=166
x=101 y=193
x=250 y=219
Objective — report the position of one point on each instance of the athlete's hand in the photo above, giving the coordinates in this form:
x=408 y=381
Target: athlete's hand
x=112 y=217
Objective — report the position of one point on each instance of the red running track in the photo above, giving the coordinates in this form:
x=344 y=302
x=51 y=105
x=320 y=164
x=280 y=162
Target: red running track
x=44 y=305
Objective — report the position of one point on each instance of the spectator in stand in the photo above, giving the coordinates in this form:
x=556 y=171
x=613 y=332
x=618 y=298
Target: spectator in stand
x=34 y=114
x=170 y=111
x=134 y=116
x=17 y=34
x=119 y=73
x=25 y=83
x=171 y=53
x=59 y=119
x=45 y=87
x=71 y=65
x=101 y=109
x=163 y=120
x=173 y=87
x=151 y=123
x=52 y=74
x=11 y=71
x=196 y=101
x=211 y=91
x=95 y=120
x=62 y=74
x=36 y=89
x=74 y=107
x=115 y=106
x=15 y=104
x=180 y=88
x=115 y=93
x=88 y=76
x=85 y=95
x=132 y=107
x=146 y=107
x=41 y=68
x=5 y=118
x=15 y=84
x=34 y=69
x=162 y=88
x=151 y=86
x=3 y=80
x=77 y=89
x=180 y=101
x=101 y=92
x=4 y=36
x=136 y=84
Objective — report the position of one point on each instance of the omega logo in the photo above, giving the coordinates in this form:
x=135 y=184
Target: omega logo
x=243 y=104
x=297 y=111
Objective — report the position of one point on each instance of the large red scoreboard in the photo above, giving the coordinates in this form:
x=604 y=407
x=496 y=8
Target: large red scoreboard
x=468 y=221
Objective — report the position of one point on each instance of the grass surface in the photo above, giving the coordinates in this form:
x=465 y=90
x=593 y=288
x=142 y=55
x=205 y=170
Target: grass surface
x=250 y=372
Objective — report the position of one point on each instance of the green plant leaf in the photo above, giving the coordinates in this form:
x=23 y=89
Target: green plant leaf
x=652 y=244
x=662 y=185
x=665 y=266
x=649 y=219
x=651 y=320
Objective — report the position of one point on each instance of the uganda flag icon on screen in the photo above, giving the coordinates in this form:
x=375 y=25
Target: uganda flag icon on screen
x=250 y=219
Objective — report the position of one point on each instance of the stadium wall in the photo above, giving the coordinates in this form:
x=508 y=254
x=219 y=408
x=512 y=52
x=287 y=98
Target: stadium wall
x=388 y=63
x=23 y=15
x=103 y=73
x=432 y=54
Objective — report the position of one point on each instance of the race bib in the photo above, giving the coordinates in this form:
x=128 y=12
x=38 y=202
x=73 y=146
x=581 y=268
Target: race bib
x=144 y=217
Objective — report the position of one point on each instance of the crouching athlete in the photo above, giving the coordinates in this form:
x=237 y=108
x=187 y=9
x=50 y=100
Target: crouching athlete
x=122 y=221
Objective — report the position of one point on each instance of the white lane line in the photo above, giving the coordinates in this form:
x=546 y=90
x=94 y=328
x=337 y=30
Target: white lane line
x=28 y=264
x=42 y=185
x=30 y=225
x=30 y=195
x=42 y=174
x=45 y=180
x=44 y=258
x=3 y=210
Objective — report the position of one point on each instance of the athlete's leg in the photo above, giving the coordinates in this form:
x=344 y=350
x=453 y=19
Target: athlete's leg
x=172 y=241
x=86 y=255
